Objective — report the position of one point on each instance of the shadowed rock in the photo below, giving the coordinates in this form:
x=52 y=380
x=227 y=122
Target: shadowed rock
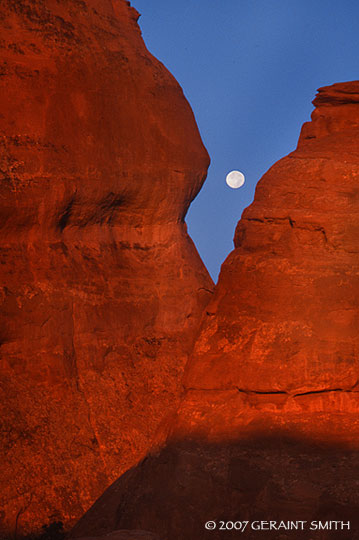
x=125 y=535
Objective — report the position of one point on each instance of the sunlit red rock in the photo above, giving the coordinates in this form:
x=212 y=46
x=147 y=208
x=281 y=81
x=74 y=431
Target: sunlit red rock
x=102 y=288
x=285 y=315
x=269 y=426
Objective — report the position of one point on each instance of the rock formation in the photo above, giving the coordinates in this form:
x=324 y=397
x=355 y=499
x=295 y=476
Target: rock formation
x=268 y=428
x=102 y=288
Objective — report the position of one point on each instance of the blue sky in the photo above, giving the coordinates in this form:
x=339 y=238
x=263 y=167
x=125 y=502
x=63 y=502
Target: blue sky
x=250 y=69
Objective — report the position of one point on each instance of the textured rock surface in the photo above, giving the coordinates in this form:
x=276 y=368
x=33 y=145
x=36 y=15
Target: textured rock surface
x=268 y=428
x=101 y=286
x=285 y=316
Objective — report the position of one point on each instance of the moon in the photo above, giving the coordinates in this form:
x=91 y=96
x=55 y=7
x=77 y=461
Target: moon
x=235 y=179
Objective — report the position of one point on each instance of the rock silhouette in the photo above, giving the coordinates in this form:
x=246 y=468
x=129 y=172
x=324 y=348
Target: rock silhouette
x=102 y=288
x=268 y=427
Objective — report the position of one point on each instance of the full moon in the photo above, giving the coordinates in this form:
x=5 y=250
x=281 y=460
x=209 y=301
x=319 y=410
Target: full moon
x=235 y=179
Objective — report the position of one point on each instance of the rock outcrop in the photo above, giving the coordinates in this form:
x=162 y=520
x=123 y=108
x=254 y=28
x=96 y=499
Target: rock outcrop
x=102 y=288
x=269 y=426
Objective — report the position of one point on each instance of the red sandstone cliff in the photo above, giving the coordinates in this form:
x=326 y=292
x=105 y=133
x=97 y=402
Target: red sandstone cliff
x=285 y=315
x=268 y=428
x=102 y=288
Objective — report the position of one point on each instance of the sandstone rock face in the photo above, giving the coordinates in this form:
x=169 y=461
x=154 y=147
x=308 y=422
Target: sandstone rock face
x=102 y=288
x=285 y=316
x=268 y=428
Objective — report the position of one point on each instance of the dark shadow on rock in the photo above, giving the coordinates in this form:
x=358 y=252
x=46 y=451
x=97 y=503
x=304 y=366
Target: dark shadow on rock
x=125 y=535
x=51 y=531
x=55 y=531
x=187 y=483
